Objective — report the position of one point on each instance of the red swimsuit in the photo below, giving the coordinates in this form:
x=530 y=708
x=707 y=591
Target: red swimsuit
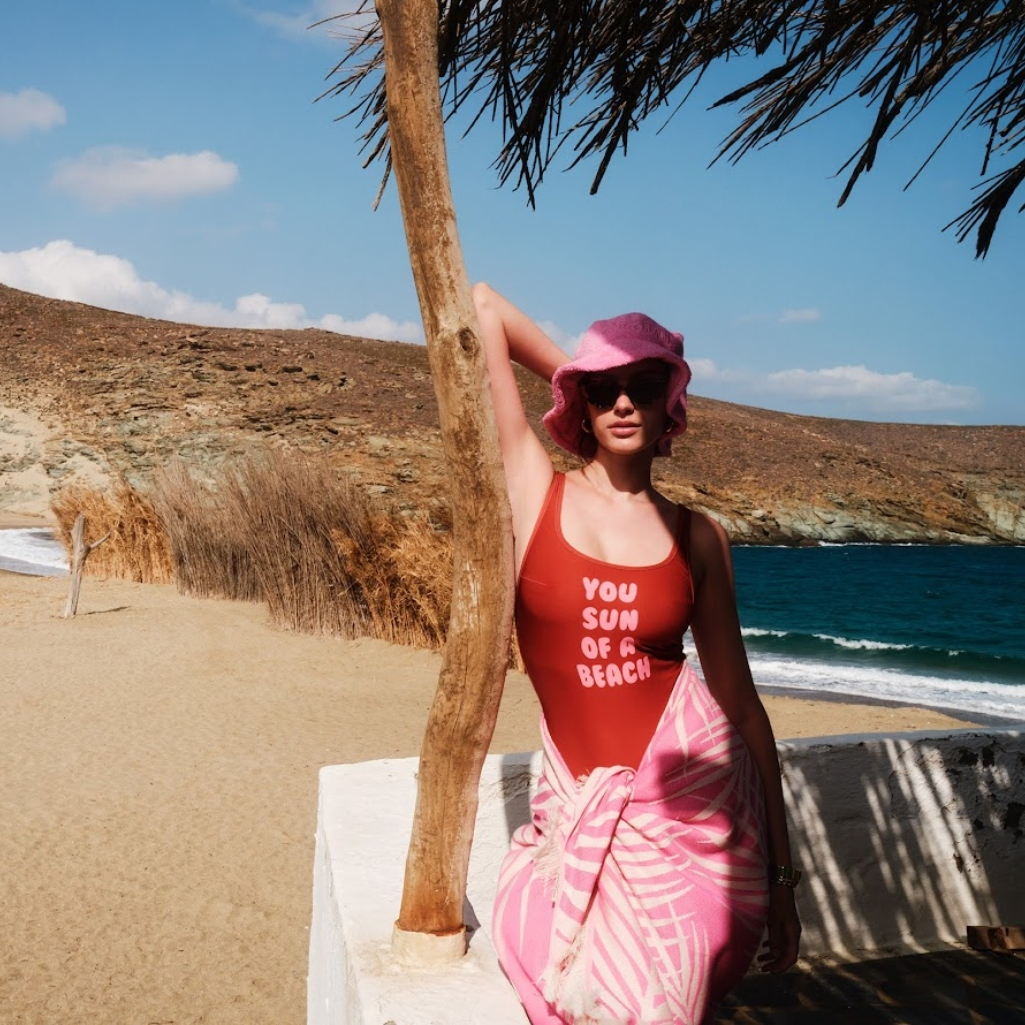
x=602 y=643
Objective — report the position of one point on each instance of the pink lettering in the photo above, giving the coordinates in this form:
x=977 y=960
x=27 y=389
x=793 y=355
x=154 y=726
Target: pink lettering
x=589 y=646
x=613 y=675
x=604 y=646
x=599 y=676
x=610 y=619
x=585 y=676
x=643 y=668
x=628 y=593
x=590 y=587
x=627 y=647
x=629 y=672
x=607 y=591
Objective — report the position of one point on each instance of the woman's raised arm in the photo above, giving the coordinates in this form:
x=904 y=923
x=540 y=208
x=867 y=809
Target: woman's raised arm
x=510 y=335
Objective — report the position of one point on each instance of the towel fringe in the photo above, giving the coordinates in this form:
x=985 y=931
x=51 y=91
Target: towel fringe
x=567 y=986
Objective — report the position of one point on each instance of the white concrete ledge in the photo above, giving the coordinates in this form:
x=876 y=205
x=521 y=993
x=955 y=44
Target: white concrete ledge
x=905 y=840
x=363 y=826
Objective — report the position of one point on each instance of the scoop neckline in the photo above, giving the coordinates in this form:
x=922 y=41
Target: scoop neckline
x=674 y=549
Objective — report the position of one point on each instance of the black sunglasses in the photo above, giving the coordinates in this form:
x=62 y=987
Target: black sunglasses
x=643 y=390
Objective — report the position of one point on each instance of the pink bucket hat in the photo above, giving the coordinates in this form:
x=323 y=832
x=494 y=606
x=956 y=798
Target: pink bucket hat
x=617 y=343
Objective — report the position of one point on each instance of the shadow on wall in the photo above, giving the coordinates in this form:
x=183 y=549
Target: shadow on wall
x=905 y=839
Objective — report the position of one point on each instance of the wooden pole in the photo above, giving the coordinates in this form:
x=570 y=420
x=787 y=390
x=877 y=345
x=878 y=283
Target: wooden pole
x=79 y=553
x=430 y=927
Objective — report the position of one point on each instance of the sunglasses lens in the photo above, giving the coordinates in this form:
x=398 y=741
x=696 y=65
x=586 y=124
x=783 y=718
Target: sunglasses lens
x=603 y=392
x=646 y=390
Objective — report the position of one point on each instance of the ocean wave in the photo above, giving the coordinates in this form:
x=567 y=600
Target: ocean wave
x=850 y=643
x=873 y=544
x=32 y=550
x=863 y=645
x=895 y=656
x=957 y=695
x=960 y=695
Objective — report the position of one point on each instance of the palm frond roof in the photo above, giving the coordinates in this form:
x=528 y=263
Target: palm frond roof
x=580 y=76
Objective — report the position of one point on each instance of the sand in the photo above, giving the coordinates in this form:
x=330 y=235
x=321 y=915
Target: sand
x=159 y=758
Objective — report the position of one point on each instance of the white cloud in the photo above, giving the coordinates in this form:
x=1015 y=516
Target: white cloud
x=796 y=315
x=62 y=270
x=373 y=325
x=706 y=372
x=733 y=385
x=806 y=316
x=880 y=393
x=851 y=390
x=26 y=110
x=311 y=22
x=563 y=339
x=111 y=176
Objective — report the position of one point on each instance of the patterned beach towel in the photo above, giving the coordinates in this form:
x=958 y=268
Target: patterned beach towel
x=638 y=897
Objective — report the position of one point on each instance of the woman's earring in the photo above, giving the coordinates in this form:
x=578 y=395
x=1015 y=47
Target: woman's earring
x=585 y=425
x=670 y=426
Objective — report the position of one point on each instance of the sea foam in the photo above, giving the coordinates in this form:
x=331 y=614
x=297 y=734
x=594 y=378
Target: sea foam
x=33 y=551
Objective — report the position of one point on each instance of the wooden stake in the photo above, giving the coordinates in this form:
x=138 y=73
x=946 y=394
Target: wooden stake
x=462 y=717
x=79 y=553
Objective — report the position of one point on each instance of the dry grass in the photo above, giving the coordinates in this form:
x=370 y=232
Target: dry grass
x=289 y=511
x=136 y=547
x=209 y=549
x=324 y=556
x=278 y=528
x=402 y=568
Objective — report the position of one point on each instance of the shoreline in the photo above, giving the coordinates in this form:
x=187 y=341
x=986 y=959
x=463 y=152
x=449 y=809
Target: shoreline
x=23 y=557
x=967 y=716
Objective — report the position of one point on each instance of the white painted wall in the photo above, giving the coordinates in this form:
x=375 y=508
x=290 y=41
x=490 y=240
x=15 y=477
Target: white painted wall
x=905 y=841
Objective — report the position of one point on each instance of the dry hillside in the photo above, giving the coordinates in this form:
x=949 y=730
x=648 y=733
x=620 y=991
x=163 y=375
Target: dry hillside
x=87 y=392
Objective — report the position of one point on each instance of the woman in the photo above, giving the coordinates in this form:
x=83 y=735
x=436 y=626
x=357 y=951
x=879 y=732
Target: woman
x=658 y=847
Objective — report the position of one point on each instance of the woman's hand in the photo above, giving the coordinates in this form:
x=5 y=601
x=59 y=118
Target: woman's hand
x=784 y=928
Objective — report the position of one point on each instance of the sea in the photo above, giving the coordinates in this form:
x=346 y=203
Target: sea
x=928 y=625
x=936 y=626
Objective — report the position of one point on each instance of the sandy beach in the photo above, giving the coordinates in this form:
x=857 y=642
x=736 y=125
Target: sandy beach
x=160 y=757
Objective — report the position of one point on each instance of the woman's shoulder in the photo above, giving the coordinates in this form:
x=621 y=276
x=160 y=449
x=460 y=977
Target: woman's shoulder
x=704 y=525
x=709 y=545
x=701 y=527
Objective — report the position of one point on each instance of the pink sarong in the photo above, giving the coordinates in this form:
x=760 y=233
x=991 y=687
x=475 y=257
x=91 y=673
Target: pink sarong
x=638 y=897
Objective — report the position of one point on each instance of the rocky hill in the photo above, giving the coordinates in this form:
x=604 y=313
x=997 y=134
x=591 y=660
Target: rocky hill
x=89 y=393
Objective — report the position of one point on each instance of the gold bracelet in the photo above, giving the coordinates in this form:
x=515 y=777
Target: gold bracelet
x=784 y=875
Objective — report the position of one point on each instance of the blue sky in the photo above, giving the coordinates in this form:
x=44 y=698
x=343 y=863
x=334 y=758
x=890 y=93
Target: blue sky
x=170 y=160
